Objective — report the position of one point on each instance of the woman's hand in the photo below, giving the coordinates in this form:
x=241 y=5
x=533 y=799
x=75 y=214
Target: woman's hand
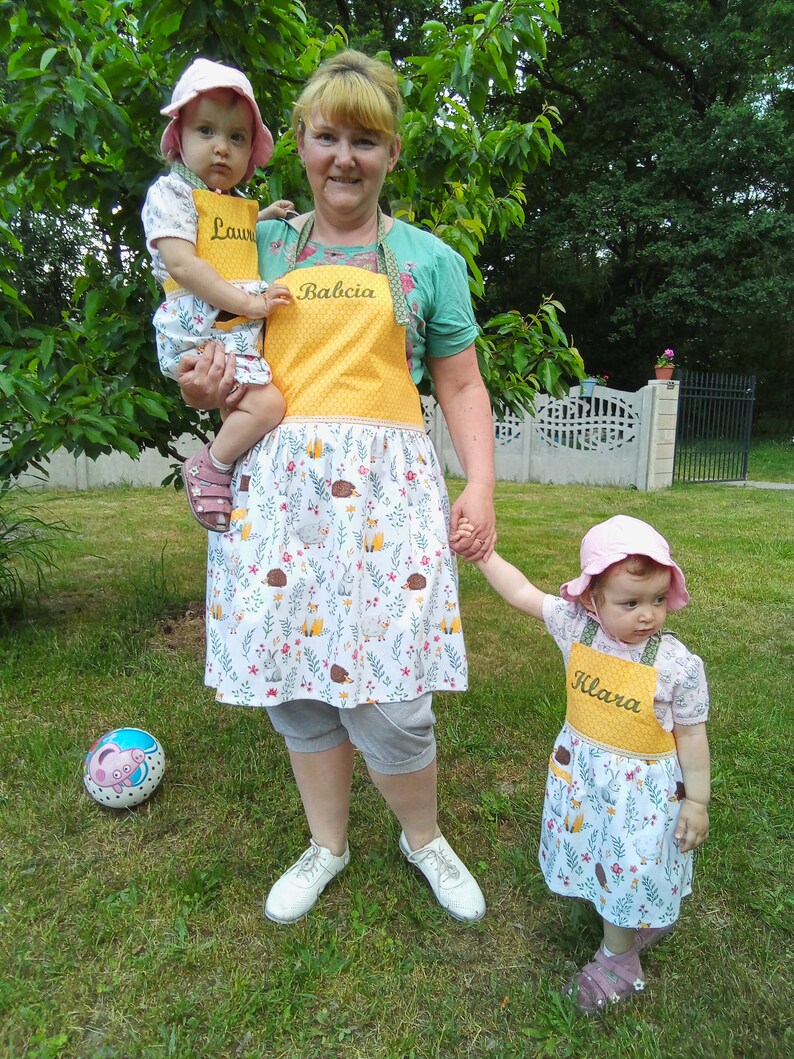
x=472 y=523
x=207 y=379
x=467 y=411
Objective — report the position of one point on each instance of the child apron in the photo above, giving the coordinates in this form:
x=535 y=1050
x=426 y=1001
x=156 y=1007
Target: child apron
x=336 y=581
x=226 y=238
x=613 y=791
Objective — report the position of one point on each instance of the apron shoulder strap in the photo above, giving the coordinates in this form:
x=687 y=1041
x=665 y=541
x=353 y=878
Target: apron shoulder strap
x=588 y=632
x=188 y=176
x=648 y=654
x=651 y=650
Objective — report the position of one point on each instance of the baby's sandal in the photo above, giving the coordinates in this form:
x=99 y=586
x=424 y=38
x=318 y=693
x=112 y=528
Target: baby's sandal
x=606 y=980
x=208 y=491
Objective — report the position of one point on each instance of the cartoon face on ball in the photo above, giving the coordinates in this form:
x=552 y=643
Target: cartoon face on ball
x=113 y=767
x=123 y=768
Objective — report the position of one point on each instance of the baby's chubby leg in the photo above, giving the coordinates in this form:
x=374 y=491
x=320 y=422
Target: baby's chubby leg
x=260 y=409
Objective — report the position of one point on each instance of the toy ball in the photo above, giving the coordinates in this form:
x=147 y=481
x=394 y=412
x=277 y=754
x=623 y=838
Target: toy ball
x=123 y=768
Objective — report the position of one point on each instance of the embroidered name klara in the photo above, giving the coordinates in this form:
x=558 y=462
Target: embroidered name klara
x=590 y=685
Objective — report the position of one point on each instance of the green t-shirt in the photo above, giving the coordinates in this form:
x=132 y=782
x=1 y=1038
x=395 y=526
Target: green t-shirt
x=434 y=281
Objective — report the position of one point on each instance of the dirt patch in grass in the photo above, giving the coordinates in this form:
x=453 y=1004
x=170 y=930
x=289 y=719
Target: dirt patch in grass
x=181 y=632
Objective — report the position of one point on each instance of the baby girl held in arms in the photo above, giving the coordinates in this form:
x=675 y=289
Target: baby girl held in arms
x=201 y=233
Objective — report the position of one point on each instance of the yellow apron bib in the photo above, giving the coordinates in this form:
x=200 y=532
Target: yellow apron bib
x=610 y=703
x=226 y=238
x=338 y=353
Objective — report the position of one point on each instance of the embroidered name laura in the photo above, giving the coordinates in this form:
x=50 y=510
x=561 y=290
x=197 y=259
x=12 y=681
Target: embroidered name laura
x=590 y=686
x=227 y=231
x=310 y=291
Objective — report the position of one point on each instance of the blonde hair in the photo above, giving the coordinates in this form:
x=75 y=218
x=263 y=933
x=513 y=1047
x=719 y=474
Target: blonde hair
x=353 y=89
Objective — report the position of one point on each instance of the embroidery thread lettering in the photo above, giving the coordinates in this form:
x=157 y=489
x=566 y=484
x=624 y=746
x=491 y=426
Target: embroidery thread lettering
x=221 y=231
x=310 y=292
x=590 y=685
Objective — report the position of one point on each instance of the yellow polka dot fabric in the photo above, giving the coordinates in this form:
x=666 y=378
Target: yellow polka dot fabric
x=610 y=702
x=226 y=236
x=338 y=352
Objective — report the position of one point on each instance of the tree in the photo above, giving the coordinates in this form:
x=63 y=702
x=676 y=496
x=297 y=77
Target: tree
x=669 y=222
x=79 y=127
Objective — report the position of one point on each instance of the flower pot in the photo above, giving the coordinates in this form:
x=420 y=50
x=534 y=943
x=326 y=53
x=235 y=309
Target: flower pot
x=665 y=372
x=586 y=387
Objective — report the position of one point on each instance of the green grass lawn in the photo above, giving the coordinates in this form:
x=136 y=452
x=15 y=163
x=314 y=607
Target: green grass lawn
x=771 y=461
x=140 y=933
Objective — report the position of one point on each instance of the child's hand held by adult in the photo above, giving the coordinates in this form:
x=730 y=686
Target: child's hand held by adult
x=471 y=543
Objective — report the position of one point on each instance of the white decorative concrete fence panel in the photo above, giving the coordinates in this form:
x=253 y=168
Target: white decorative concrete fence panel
x=611 y=438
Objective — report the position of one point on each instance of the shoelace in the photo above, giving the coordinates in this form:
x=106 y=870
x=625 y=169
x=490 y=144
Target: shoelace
x=309 y=863
x=445 y=868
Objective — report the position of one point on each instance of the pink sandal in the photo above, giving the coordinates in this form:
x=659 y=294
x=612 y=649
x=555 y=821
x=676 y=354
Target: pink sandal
x=208 y=491
x=606 y=980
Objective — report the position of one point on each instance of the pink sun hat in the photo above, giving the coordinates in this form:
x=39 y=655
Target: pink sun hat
x=616 y=539
x=203 y=75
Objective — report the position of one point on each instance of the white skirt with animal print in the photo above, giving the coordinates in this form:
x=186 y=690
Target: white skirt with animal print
x=608 y=833
x=335 y=581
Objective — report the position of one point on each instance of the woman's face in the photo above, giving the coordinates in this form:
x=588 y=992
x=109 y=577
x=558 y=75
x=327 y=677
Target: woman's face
x=346 y=166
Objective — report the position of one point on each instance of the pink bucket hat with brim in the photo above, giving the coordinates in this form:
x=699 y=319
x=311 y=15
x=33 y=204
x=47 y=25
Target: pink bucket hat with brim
x=203 y=75
x=616 y=539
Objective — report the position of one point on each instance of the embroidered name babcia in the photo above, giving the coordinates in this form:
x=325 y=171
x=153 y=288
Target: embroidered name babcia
x=310 y=291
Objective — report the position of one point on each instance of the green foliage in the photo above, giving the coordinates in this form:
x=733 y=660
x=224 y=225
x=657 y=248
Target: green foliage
x=671 y=221
x=80 y=95
x=528 y=355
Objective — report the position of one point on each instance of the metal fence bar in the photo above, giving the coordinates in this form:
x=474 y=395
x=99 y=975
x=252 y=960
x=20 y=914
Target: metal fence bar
x=714 y=426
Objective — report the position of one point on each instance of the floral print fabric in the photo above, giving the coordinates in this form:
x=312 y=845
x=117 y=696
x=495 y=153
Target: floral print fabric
x=336 y=581
x=186 y=322
x=607 y=833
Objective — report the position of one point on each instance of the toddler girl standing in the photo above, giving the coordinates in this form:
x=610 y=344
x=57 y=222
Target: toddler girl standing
x=201 y=233
x=628 y=782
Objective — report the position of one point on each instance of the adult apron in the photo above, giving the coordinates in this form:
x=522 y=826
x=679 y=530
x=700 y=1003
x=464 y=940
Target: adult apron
x=336 y=581
x=613 y=793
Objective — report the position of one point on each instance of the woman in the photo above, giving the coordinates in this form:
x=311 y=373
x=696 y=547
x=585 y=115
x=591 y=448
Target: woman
x=332 y=601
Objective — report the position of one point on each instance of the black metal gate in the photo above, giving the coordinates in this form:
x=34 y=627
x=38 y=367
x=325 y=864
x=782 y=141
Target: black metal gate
x=712 y=438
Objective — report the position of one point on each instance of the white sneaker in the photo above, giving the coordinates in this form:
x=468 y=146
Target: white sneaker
x=451 y=881
x=297 y=890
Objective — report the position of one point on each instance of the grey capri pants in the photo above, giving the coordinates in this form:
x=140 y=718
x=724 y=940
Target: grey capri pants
x=394 y=738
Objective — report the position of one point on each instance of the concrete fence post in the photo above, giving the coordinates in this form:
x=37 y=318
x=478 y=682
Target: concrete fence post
x=660 y=417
